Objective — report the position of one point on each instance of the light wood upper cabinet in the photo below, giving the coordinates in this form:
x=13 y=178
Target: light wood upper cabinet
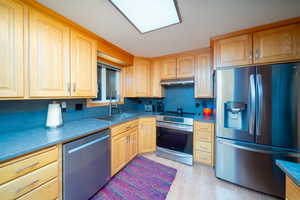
x=49 y=56
x=233 y=51
x=142 y=77
x=128 y=81
x=83 y=65
x=203 y=76
x=147 y=134
x=156 y=88
x=278 y=44
x=12 y=49
x=185 y=66
x=168 y=68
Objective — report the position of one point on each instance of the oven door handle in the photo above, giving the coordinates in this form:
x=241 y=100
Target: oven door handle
x=187 y=129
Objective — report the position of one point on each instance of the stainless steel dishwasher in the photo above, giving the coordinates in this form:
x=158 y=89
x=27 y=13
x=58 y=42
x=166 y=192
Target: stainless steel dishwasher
x=86 y=166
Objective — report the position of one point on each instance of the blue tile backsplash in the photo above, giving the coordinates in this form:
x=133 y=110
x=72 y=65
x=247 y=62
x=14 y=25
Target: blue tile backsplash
x=24 y=114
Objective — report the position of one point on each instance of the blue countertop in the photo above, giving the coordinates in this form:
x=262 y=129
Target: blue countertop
x=14 y=144
x=291 y=169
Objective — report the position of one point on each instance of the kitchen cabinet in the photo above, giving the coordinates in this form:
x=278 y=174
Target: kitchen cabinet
x=12 y=49
x=128 y=81
x=124 y=144
x=185 y=67
x=156 y=88
x=142 y=77
x=203 y=76
x=204 y=143
x=34 y=176
x=233 y=51
x=168 y=68
x=147 y=134
x=49 y=56
x=277 y=44
x=292 y=190
x=83 y=65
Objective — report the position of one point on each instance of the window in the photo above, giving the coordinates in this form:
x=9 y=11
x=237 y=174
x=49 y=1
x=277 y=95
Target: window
x=108 y=83
x=149 y=15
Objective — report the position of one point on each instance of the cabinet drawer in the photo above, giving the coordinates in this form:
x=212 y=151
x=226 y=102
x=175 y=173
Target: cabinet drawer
x=203 y=157
x=115 y=130
x=203 y=146
x=203 y=127
x=203 y=136
x=48 y=191
x=28 y=182
x=18 y=167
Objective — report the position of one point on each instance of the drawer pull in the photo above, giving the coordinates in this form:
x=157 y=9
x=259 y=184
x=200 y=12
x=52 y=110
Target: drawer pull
x=28 y=167
x=26 y=186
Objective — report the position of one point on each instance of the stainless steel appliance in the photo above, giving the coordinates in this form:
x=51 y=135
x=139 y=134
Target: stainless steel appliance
x=175 y=137
x=257 y=123
x=86 y=166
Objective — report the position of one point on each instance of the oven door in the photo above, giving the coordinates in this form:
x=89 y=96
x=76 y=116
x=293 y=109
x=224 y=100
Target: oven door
x=175 y=137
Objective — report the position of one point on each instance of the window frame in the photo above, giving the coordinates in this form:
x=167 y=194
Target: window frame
x=104 y=100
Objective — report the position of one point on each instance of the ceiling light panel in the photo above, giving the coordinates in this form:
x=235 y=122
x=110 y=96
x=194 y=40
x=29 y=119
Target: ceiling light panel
x=149 y=15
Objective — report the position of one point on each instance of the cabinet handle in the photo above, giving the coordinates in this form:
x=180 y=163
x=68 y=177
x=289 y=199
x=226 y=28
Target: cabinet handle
x=69 y=87
x=74 y=87
x=28 y=167
x=250 y=54
x=257 y=54
x=26 y=186
x=128 y=139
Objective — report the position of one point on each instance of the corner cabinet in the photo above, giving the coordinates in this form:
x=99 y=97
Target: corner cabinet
x=278 y=44
x=156 y=88
x=83 y=65
x=49 y=56
x=147 y=134
x=141 y=71
x=233 y=51
x=12 y=49
x=185 y=67
x=203 y=76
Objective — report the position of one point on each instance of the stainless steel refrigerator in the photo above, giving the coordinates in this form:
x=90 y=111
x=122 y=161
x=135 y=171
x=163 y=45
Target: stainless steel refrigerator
x=257 y=122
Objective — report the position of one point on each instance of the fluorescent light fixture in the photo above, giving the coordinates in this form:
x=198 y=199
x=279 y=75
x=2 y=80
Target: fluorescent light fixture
x=149 y=15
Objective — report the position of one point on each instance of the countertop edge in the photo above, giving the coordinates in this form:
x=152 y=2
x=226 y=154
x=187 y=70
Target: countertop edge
x=287 y=171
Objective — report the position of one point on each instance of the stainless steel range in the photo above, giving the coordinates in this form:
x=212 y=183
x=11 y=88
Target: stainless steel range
x=175 y=137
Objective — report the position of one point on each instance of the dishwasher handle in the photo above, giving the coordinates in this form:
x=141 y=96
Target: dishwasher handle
x=88 y=144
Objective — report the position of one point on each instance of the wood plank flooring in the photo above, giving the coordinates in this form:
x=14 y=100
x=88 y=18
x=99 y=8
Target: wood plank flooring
x=199 y=183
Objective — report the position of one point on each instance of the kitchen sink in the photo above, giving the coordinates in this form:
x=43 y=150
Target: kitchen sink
x=116 y=117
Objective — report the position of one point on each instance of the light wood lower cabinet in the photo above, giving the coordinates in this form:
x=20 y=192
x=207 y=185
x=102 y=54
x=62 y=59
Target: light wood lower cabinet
x=147 y=135
x=34 y=176
x=292 y=190
x=124 y=145
x=204 y=143
x=12 y=49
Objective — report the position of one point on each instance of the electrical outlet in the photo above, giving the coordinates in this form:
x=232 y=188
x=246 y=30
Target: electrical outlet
x=64 y=106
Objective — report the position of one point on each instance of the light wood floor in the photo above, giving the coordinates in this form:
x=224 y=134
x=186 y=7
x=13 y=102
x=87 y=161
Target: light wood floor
x=199 y=183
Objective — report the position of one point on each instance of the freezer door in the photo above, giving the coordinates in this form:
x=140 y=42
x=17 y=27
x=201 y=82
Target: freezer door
x=278 y=105
x=252 y=166
x=236 y=103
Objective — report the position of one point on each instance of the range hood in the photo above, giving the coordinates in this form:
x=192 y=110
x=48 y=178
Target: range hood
x=181 y=81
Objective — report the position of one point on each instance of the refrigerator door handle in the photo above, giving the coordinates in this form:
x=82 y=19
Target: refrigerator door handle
x=260 y=104
x=285 y=153
x=252 y=105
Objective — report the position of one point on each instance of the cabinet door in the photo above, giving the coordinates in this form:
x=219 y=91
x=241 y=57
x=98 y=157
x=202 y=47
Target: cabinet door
x=156 y=89
x=168 y=67
x=133 y=143
x=12 y=49
x=278 y=44
x=203 y=77
x=49 y=56
x=142 y=78
x=147 y=135
x=83 y=65
x=234 y=51
x=128 y=82
x=185 y=67
x=119 y=152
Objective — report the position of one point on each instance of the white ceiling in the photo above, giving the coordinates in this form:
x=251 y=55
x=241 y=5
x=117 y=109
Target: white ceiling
x=202 y=19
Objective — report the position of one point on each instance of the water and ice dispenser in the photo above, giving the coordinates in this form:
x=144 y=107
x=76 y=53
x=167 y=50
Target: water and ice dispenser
x=235 y=115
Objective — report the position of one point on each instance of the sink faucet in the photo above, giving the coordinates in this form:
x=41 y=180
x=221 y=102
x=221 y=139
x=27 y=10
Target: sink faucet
x=113 y=106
